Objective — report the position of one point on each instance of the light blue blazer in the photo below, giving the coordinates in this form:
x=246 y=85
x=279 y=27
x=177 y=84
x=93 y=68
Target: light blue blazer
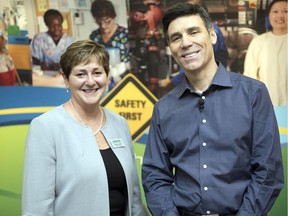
x=64 y=174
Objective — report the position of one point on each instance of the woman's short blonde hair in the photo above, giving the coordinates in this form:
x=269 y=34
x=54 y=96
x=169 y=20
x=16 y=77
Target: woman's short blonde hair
x=83 y=51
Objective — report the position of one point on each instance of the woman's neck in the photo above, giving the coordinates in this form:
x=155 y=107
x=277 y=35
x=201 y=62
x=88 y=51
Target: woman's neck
x=279 y=31
x=106 y=36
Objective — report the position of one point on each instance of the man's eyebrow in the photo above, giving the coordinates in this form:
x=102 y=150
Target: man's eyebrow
x=173 y=35
x=193 y=28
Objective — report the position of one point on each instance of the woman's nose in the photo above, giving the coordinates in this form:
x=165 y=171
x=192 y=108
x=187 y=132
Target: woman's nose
x=90 y=79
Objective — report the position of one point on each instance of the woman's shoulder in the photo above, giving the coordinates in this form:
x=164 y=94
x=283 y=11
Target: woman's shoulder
x=122 y=29
x=262 y=37
x=67 y=36
x=53 y=115
x=113 y=115
x=41 y=35
x=94 y=34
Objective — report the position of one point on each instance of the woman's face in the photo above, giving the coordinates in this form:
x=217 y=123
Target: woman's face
x=87 y=83
x=106 y=25
x=278 y=16
x=55 y=26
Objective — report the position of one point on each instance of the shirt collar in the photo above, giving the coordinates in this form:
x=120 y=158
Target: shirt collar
x=221 y=79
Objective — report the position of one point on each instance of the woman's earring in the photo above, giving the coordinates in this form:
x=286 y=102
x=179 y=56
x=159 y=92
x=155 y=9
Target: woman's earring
x=67 y=90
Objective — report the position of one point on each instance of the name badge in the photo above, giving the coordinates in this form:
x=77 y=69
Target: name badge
x=117 y=143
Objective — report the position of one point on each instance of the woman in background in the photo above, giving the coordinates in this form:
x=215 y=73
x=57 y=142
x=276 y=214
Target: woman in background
x=79 y=158
x=47 y=47
x=112 y=36
x=7 y=69
x=266 y=57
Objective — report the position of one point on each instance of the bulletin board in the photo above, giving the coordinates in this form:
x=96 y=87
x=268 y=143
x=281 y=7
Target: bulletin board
x=43 y=5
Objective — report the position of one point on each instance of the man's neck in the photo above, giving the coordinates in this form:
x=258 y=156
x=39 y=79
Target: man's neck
x=202 y=78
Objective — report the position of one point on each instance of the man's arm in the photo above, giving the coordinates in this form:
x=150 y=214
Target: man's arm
x=266 y=161
x=157 y=172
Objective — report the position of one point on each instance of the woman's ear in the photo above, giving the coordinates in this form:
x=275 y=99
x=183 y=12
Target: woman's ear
x=66 y=81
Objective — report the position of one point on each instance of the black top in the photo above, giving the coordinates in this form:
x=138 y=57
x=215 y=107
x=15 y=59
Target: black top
x=116 y=182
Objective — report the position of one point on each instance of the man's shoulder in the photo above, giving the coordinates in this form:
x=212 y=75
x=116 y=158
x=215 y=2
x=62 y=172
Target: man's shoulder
x=171 y=96
x=238 y=79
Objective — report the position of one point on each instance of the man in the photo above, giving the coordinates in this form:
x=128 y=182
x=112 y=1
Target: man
x=213 y=145
x=219 y=48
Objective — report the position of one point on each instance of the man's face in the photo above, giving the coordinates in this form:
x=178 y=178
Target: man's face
x=190 y=43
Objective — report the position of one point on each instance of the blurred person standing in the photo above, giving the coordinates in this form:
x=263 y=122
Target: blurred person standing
x=7 y=68
x=266 y=57
x=47 y=47
x=79 y=157
x=111 y=35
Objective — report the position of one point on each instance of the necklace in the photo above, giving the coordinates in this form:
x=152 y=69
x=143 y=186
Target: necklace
x=97 y=131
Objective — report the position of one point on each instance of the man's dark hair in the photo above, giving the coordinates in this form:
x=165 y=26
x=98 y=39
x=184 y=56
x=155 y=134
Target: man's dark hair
x=185 y=9
x=49 y=13
x=102 y=8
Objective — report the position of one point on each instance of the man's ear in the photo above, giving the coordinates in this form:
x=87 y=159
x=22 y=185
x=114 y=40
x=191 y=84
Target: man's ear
x=213 y=36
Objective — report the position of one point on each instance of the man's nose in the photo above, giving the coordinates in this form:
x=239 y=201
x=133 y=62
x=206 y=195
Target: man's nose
x=186 y=41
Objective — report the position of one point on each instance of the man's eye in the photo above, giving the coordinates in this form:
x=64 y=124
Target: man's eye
x=193 y=32
x=173 y=39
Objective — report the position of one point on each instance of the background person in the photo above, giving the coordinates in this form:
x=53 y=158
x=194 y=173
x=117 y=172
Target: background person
x=47 y=47
x=266 y=57
x=79 y=158
x=7 y=69
x=111 y=35
x=210 y=148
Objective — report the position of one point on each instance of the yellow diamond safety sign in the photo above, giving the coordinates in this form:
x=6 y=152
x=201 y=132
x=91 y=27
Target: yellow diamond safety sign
x=132 y=100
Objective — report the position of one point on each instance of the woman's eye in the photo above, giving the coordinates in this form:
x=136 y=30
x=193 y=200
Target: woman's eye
x=80 y=75
x=97 y=73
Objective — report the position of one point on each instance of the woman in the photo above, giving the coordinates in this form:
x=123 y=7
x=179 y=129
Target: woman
x=266 y=57
x=79 y=158
x=7 y=69
x=111 y=35
x=47 y=47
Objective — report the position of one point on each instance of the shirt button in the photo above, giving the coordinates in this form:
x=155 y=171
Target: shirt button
x=208 y=212
x=206 y=188
x=204 y=166
x=204 y=144
x=204 y=120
